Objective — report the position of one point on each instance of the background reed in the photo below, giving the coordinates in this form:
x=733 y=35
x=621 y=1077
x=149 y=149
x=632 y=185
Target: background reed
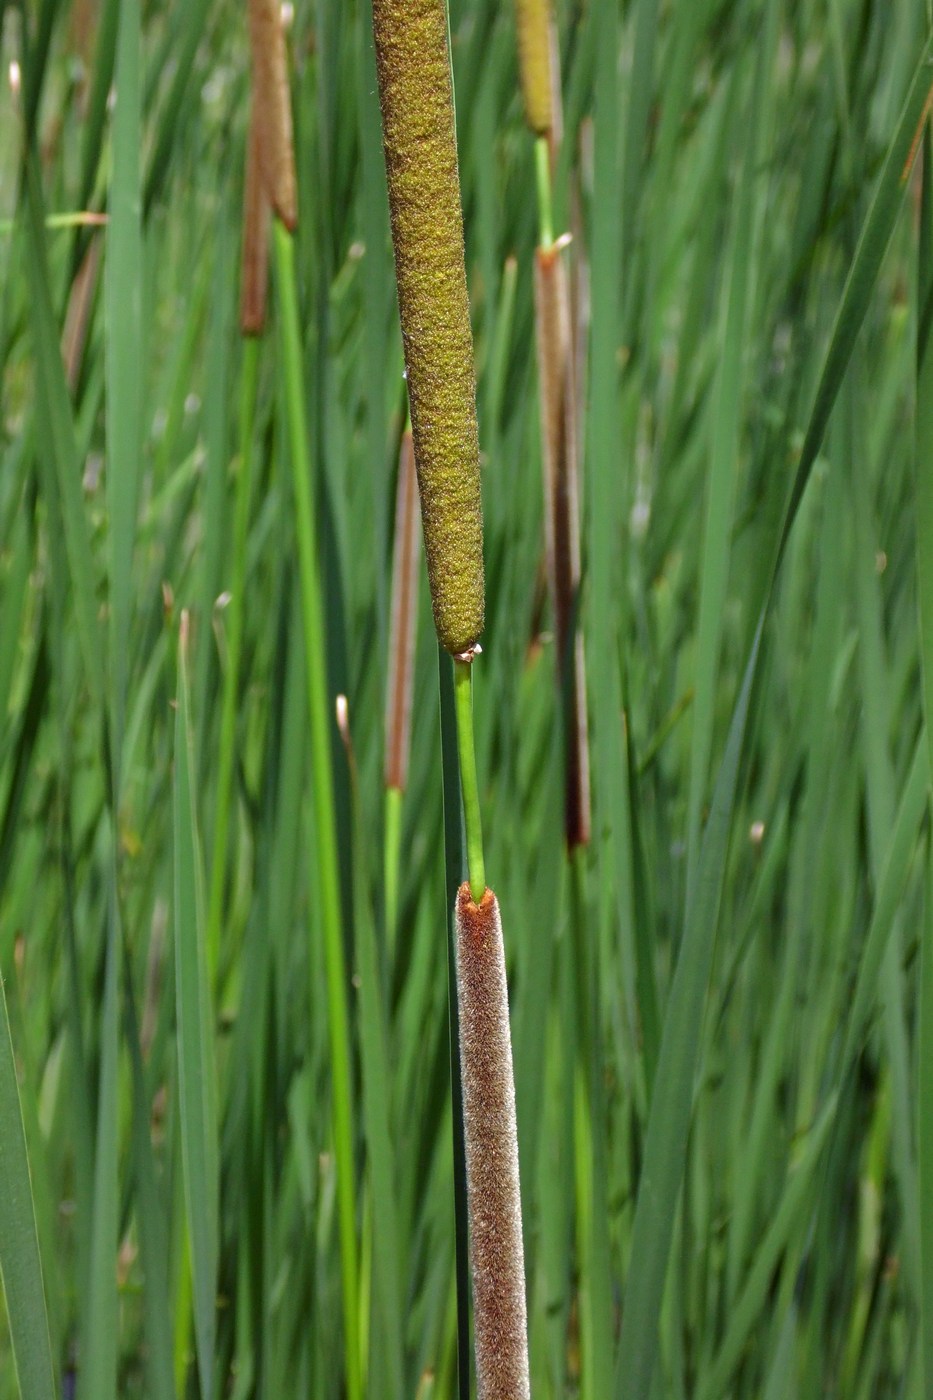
x=755 y=319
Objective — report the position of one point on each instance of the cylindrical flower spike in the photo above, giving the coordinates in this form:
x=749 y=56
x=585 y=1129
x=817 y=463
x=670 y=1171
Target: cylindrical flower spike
x=255 y=234
x=427 y=233
x=562 y=525
x=496 y=1254
x=273 y=108
x=533 y=21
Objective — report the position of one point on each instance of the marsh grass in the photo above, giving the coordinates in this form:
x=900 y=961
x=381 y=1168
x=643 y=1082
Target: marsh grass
x=746 y=931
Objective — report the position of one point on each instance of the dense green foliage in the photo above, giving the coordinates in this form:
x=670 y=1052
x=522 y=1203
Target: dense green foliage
x=718 y=1006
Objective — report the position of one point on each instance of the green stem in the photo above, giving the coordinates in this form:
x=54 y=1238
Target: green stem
x=233 y=618
x=328 y=895
x=453 y=868
x=545 y=210
x=469 y=784
x=393 y=839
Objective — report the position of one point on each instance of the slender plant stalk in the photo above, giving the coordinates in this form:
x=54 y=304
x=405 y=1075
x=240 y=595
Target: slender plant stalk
x=419 y=136
x=328 y=905
x=557 y=390
x=562 y=527
x=233 y=621
x=404 y=619
x=453 y=869
x=924 y=547
x=20 y=1262
x=544 y=192
x=472 y=821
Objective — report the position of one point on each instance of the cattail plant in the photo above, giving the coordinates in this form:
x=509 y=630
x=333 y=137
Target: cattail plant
x=491 y=1149
x=557 y=391
x=539 y=67
x=427 y=234
x=271 y=188
x=533 y=21
x=416 y=96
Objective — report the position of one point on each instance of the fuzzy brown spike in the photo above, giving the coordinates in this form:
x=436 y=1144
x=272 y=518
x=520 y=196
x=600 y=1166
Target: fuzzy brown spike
x=254 y=275
x=272 y=100
x=419 y=138
x=562 y=523
x=495 y=1211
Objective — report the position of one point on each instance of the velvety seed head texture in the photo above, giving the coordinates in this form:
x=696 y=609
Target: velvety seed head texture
x=255 y=258
x=272 y=100
x=427 y=234
x=534 y=61
x=491 y=1142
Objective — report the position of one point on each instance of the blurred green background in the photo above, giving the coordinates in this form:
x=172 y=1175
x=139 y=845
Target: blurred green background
x=720 y=1008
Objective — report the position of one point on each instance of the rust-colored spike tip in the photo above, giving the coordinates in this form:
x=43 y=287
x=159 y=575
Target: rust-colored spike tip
x=491 y=1140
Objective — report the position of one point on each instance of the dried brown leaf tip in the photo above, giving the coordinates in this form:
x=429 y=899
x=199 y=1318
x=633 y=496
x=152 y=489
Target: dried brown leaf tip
x=496 y=1254
x=419 y=139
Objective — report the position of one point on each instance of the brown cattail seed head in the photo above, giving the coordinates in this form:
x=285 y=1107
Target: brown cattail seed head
x=534 y=60
x=253 y=280
x=272 y=102
x=427 y=233
x=495 y=1211
x=557 y=391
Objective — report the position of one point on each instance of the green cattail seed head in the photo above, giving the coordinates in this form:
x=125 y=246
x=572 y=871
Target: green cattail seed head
x=427 y=233
x=533 y=20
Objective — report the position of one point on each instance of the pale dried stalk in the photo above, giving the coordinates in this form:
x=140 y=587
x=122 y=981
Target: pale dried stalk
x=491 y=1141
x=562 y=523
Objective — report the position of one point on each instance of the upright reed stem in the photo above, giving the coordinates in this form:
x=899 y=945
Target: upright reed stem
x=543 y=181
x=469 y=783
x=327 y=908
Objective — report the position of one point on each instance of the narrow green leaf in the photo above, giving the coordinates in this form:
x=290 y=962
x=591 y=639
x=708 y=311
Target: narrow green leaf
x=99 y=1369
x=328 y=903
x=747 y=1308
x=20 y=1264
x=123 y=295
x=669 y=1118
x=196 y=1071
x=55 y=408
x=923 y=463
